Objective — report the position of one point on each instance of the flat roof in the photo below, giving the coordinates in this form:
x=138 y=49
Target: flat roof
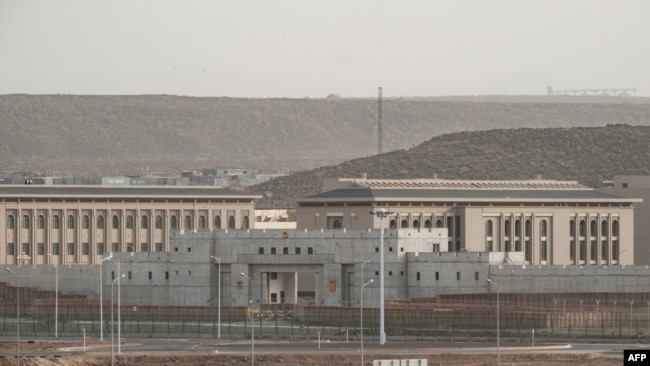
x=51 y=191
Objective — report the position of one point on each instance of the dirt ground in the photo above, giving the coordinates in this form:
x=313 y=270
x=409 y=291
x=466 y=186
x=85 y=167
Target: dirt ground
x=7 y=350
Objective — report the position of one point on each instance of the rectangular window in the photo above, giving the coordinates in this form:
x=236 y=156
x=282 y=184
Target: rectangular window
x=166 y=275
x=112 y=275
x=457 y=276
x=274 y=297
x=144 y=247
x=274 y=275
x=159 y=247
x=273 y=250
x=70 y=248
x=41 y=248
x=417 y=275
x=26 y=248
x=130 y=275
x=129 y=247
x=285 y=250
x=56 y=249
x=10 y=249
x=297 y=250
x=100 y=248
x=85 y=248
x=310 y=250
x=476 y=276
x=437 y=276
x=115 y=248
x=260 y=250
x=150 y=275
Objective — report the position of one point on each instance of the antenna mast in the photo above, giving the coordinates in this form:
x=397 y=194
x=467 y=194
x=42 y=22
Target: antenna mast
x=379 y=136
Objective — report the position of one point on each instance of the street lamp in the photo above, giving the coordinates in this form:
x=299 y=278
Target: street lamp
x=250 y=302
x=381 y=213
x=497 y=286
x=218 y=259
x=118 y=317
x=56 y=298
x=361 y=315
x=119 y=307
x=17 y=315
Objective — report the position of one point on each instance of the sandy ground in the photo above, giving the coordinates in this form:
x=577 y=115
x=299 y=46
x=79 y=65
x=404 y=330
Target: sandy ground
x=8 y=349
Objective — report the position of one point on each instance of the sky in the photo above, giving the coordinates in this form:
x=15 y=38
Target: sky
x=314 y=48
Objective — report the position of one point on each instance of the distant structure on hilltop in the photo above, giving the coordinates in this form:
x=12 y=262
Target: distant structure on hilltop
x=628 y=92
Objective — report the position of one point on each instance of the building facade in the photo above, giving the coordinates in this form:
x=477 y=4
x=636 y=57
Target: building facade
x=550 y=222
x=77 y=224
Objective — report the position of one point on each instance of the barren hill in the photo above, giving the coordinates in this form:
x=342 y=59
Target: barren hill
x=584 y=154
x=116 y=135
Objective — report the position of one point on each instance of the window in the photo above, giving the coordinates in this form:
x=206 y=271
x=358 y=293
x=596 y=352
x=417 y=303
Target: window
x=129 y=222
x=70 y=248
x=55 y=222
x=274 y=297
x=260 y=250
x=417 y=276
x=70 y=222
x=41 y=222
x=86 y=222
x=25 y=222
x=297 y=250
x=150 y=275
x=427 y=224
x=129 y=247
x=245 y=223
x=144 y=247
x=217 y=222
x=56 y=249
x=274 y=275
x=603 y=228
x=614 y=228
x=85 y=249
x=201 y=222
x=543 y=228
x=404 y=224
x=112 y=275
x=488 y=228
x=437 y=276
x=26 y=248
x=100 y=248
x=10 y=222
x=159 y=222
x=144 y=222
x=174 y=224
x=159 y=247
x=115 y=247
x=457 y=276
x=231 y=222
x=416 y=224
x=116 y=222
x=10 y=249
x=392 y=224
x=583 y=228
x=188 y=222
x=130 y=276
x=100 y=222
x=310 y=250
x=273 y=250
x=572 y=228
x=166 y=275
x=476 y=276
x=40 y=247
x=593 y=228
x=285 y=250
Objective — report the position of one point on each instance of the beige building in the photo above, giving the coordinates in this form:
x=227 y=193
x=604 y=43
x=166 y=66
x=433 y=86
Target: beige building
x=77 y=224
x=550 y=222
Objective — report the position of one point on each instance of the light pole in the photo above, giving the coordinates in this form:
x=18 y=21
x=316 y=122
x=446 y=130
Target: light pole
x=381 y=213
x=218 y=259
x=361 y=315
x=119 y=307
x=250 y=302
x=497 y=286
x=56 y=297
x=112 y=326
x=17 y=315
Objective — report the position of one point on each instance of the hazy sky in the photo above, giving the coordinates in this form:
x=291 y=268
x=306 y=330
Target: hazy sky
x=303 y=48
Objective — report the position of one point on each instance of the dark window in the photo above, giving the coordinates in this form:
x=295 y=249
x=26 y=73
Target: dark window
x=10 y=222
x=310 y=250
x=116 y=222
x=285 y=250
x=174 y=224
x=85 y=248
x=144 y=222
x=55 y=222
x=25 y=222
x=166 y=275
x=188 y=222
x=41 y=222
x=129 y=222
x=201 y=222
x=298 y=250
x=260 y=250
x=274 y=275
x=150 y=275
x=476 y=276
x=100 y=222
x=217 y=222
x=86 y=222
x=159 y=222
x=273 y=250
x=458 y=276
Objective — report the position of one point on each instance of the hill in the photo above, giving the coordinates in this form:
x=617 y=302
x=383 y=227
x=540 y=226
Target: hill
x=584 y=154
x=63 y=135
